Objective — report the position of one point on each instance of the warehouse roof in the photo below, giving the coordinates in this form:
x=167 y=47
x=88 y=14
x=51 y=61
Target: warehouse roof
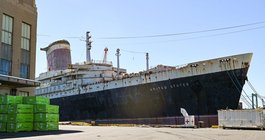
x=12 y=81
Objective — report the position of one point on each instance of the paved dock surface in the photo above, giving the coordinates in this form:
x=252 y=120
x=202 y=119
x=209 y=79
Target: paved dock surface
x=68 y=132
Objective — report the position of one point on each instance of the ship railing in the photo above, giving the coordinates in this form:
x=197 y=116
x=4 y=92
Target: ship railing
x=132 y=75
x=181 y=66
x=166 y=68
x=50 y=74
x=95 y=61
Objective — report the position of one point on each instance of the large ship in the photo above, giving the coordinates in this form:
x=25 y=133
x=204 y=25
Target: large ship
x=97 y=90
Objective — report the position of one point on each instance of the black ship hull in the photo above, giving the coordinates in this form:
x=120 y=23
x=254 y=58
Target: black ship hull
x=199 y=95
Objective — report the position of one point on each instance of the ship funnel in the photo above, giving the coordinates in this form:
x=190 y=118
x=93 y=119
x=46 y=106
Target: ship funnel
x=58 y=55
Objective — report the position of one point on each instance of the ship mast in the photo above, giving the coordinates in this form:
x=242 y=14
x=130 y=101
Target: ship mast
x=118 y=63
x=88 y=47
x=147 y=61
x=105 y=55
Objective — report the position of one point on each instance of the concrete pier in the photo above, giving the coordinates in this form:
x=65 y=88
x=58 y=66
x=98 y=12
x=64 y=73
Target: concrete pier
x=70 y=132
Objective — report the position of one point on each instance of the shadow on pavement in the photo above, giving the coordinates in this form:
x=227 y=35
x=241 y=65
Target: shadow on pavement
x=35 y=133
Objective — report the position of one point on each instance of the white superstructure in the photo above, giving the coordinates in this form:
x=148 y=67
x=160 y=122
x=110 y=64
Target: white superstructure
x=95 y=76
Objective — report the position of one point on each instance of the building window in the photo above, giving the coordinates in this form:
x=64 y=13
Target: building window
x=23 y=93
x=25 y=50
x=24 y=71
x=6 y=45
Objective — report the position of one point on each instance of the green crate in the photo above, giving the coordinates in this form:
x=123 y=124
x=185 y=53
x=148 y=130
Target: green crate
x=20 y=108
x=11 y=99
x=3 y=109
x=16 y=127
x=7 y=99
x=36 y=100
x=44 y=117
x=20 y=118
x=18 y=99
x=46 y=126
x=3 y=118
x=2 y=127
x=50 y=109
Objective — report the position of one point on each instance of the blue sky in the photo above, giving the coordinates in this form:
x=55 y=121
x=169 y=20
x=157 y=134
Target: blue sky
x=68 y=19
